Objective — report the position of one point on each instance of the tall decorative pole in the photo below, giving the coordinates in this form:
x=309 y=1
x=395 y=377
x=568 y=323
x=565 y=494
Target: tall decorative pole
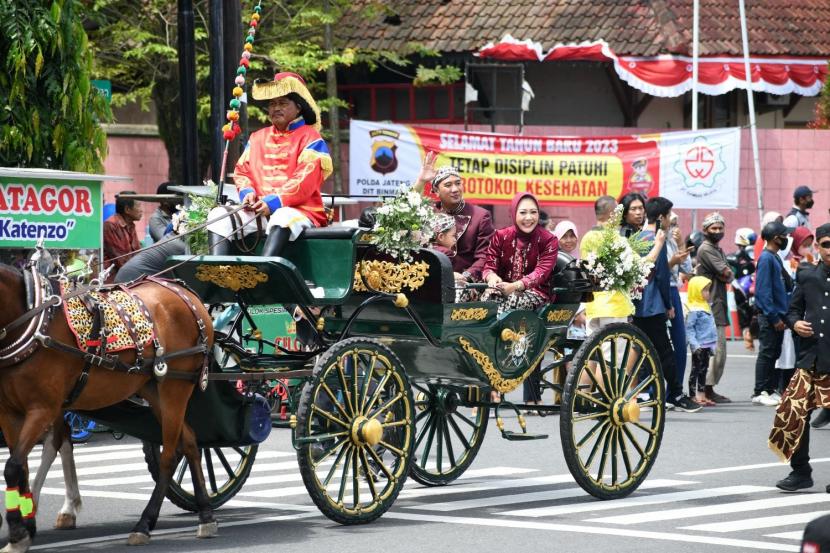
x=232 y=129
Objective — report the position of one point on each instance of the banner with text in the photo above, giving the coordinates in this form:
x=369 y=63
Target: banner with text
x=66 y=214
x=694 y=169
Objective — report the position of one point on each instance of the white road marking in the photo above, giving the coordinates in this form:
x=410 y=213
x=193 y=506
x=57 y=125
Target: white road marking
x=547 y=495
x=798 y=535
x=755 y=523
x=712 y=510
x=637 y=501
x=744 y=467
x=573 y=528
x=485 y=485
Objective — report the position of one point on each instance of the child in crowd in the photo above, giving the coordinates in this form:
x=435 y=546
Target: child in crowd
x=444 y=235
x=702 y=335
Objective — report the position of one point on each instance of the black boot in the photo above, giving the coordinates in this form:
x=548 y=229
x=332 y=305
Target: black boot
x=275 y=241
x=219 y=245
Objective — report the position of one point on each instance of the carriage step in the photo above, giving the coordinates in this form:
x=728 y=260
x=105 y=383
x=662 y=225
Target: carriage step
x=520 y=436
x=509 y=434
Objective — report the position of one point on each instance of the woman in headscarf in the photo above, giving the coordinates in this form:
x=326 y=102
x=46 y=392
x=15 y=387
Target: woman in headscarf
x=520 y=259
x=565 y=231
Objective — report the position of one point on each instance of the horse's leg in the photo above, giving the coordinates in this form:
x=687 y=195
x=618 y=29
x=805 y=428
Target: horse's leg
x=208 y=528
x=51 y=444
x=68 y=515
x=173 y=399
x=20 y=512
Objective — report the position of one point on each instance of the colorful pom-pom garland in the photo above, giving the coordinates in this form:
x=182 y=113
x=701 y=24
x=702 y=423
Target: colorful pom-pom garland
x=232 y=129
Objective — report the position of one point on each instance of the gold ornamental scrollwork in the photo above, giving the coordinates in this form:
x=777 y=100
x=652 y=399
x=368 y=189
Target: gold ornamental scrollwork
x=559 y=315
x=385 y=276
x=472 y=314
x=233 y=277
x=497 y=381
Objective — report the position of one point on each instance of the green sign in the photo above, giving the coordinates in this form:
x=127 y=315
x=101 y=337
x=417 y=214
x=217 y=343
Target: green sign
x=103 y=87
x=276 y=325
x=66 y=214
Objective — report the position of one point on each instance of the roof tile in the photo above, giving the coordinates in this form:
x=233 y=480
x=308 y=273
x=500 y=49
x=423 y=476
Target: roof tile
x=635 y=27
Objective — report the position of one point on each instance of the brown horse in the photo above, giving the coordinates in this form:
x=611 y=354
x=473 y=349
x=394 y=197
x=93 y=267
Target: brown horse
x=34 y=390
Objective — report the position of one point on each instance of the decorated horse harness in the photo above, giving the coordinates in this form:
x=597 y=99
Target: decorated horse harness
x=105 y=319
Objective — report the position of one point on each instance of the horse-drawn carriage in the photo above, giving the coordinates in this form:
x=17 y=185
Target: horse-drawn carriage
x=400 y=385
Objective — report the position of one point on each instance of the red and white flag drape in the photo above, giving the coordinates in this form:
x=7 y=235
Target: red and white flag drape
x=671 y=75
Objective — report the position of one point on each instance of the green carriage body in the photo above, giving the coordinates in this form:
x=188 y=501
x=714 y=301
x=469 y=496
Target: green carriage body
x=388 y=328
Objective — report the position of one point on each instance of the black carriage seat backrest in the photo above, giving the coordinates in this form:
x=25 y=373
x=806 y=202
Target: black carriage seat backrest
x=332 y=233
x=570 y=276
x=439 y=286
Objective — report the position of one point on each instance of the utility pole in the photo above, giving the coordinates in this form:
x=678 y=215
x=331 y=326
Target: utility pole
x=217 y=89
x=187 y=87
x=334 y=110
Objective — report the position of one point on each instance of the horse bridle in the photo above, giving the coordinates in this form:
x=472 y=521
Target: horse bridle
x=38 y=315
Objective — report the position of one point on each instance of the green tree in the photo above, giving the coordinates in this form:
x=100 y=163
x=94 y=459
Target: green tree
x=135 y=46
x=49 y=114
x=822 y=112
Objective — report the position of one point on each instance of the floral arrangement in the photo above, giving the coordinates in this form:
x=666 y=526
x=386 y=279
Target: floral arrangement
x=403 y=224
x=615 y=262
x=187 y=220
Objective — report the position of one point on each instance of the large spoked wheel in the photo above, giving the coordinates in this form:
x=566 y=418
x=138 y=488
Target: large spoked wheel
x=448 y=434
x=355 y=431
x=613 y=412
x=225 y=470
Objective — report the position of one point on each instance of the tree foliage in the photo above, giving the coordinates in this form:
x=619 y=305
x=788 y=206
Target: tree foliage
x=135 y=42
x=822 y=115
x=49 y=113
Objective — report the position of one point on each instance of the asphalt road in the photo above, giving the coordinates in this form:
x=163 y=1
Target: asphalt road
x=711 y=489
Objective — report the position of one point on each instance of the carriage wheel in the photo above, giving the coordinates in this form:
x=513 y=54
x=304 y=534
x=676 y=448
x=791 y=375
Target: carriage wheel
x=613 y=412
x=225 y=470
x=447 y=435
x=355 y=431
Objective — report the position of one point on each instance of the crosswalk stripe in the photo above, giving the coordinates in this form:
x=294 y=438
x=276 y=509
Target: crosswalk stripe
x=638 y=501
x=755 y=523
x=711 y=510
x=741 y=468
x=548 y=495
x=788 y=535
x=486 y=485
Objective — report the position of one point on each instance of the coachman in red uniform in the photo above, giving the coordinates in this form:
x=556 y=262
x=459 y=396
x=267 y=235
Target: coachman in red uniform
x=281 y=171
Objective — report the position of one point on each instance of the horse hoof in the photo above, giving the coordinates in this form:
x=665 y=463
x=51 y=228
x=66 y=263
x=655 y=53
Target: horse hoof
x=66 y=521
x=207 y=530
x=137 y=538
x=18 y=547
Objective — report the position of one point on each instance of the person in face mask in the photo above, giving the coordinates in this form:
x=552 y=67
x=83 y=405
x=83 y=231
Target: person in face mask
x=712 y=263
x=798 y=215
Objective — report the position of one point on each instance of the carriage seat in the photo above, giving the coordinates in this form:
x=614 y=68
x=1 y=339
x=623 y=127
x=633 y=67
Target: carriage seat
x=568 y=281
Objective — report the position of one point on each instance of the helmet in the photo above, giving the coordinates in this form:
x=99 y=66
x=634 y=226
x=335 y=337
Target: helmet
x=694 y=240
x=745 y=236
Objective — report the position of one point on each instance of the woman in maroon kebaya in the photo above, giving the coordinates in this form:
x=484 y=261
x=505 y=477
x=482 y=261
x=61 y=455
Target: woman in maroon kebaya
x=520 y=259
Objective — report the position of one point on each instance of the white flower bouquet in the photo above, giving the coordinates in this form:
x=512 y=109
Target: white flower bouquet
x=187 y=220
x=403 y=224
x=616 y=263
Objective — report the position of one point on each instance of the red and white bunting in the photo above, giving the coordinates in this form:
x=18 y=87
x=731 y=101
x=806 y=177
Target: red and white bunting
x=671 y=75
